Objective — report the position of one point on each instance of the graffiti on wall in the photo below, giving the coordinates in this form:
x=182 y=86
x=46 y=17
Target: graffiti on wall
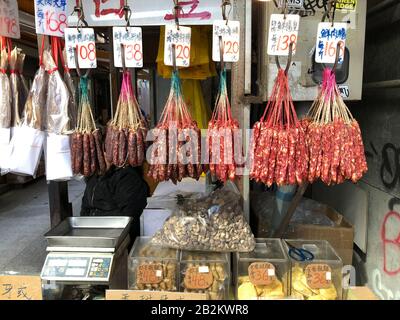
x=390 y=236
x=381 y=290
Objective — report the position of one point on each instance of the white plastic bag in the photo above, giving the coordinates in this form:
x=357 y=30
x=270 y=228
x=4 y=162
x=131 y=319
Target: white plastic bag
x=5 y=149
x=26 y=144
x=58 y=157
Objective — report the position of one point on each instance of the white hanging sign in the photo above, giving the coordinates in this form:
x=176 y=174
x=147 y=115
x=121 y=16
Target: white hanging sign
x=283 y=30
x=51 y=17
x=182 y=40
x=328 y=38
x=9 y=19
x=230 y=40
x=83 y=40
x=148 y=13
x=131 y=38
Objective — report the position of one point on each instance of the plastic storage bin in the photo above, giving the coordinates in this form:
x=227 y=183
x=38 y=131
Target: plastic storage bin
x=318 y=279
x=263 y=273
x=205 y=272
x=152 y=267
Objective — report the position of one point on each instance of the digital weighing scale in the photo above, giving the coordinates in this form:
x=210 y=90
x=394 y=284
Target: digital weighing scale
x=87 y=255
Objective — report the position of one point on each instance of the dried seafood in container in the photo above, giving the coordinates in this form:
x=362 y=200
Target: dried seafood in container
x=334 y=137
x=87 y=147
x=221 y=136
x=176 y=151
x=278 y=152
x=127 y=132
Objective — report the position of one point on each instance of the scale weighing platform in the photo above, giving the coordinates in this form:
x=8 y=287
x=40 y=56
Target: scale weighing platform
x=87 y=255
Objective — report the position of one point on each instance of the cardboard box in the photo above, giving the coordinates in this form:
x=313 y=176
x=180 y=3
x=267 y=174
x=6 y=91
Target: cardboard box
x=361 y=293
x=340 y=236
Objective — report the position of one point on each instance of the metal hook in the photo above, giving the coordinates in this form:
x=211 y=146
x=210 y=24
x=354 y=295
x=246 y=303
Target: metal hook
x=289 y=62
x=177 y=9
x=339 y=45
x=123 y=57
x=226 y=3
x=327 y=13
x=174 y=58
x=128 y=15
x=221 y=52
x=78 y=70
x=81 y=17
x=284 y=9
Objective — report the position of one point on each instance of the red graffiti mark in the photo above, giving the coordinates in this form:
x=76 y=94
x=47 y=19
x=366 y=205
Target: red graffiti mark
x=391 y=245
x=103 y=12
x=204 y=15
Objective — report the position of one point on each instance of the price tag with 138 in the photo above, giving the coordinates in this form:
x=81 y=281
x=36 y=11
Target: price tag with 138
x=83 y=41
x=9 y=19
x=230 y=40
x=282 y=32
x=131 y=38
x=50 y=17
x=328 y=38
x=181 y=39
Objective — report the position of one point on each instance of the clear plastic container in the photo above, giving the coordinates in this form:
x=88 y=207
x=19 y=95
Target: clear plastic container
x=205 y=272
x=152 y=267
x=264 y=273
x=319 y=278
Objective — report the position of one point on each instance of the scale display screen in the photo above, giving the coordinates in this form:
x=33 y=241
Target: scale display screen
x=70 y=267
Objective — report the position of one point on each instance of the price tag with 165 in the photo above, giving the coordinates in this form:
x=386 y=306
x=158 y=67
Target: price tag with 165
x=131 y=38
x=283 y=30
x=83 y=40
x=9 y=19
x=181 y=39
x=328 y=38
x=50 y=17
x=230 y=34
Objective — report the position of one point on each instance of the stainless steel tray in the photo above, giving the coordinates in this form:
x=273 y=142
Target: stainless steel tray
x=89 y=232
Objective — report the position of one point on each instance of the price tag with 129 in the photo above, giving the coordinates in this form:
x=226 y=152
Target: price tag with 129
x=50 y=17
x=181 y=39
x=328 y=38
x=230 y=40
x=282 y=32
x=131 y=38
x=83 y=40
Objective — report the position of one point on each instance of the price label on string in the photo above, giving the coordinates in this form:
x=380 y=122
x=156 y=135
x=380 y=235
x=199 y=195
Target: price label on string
x=181 y=39
x=328 y=38
x=9 y=19
x=230 y=34
x=131 y=38
x=83 y=40
x=282 y=32
x=51 y=17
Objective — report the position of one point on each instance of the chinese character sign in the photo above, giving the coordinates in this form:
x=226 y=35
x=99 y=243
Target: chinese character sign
x=328 y=38
x=131 y=38
x=9 y=19
x=181 y=39
x=230 y=34
x=20 y=288
x=81 y=41
x=51 y=17
x=283 y=31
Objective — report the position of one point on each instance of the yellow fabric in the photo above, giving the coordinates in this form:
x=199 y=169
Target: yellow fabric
x=193 y=95
x=201 y=65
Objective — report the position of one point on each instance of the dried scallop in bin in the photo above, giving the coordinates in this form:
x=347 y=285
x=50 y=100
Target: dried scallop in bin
x=152 y=267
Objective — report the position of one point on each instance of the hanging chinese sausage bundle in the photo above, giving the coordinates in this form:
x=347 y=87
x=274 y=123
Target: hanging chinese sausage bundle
x=176 y=151
x=87 y=147
x=220 y=136
x=334 y=137
x=127 y=132
x=279 y=152
x=5 y=106
x=15 y=85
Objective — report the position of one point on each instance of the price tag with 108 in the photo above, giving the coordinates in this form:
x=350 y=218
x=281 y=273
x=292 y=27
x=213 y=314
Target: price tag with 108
x=131 y=38
x=9 y=19
x=182 y=40
x=230 y=40
x=83 y=40
x=282 y=32
x=328 y=38
x=50 y=17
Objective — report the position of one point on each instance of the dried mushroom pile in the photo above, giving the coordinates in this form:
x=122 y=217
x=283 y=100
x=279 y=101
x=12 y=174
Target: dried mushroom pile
x=213 y=223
